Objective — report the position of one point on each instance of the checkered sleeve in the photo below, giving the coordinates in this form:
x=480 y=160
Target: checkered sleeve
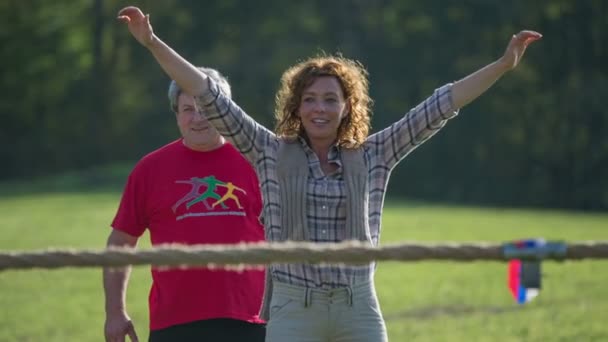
x=232 y=122
x=419 y=124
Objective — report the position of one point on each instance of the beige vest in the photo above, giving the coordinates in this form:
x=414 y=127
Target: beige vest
x=292 y=170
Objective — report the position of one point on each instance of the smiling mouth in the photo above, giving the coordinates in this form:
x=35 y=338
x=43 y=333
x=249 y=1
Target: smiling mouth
x=200 y=129
x=320 y=121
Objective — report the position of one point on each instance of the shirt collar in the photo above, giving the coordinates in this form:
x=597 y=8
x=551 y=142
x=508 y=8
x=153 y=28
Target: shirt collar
x=333 y=155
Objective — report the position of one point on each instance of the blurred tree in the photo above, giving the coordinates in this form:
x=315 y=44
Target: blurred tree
x=78 y=91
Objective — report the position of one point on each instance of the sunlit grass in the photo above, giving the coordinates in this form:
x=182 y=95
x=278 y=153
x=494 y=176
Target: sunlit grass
x=424 y=301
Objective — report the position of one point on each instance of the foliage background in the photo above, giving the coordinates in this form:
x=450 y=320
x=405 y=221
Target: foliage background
x=77 y=91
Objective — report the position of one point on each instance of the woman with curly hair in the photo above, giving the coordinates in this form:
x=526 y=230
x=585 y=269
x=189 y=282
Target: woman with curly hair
x=323 y=179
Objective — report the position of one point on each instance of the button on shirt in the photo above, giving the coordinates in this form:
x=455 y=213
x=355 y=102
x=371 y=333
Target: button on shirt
x=325 y=198
x=326 y=211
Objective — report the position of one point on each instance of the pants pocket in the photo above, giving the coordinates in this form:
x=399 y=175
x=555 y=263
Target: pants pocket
x=277 y=305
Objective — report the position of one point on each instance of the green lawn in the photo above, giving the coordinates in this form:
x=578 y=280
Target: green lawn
x=425 y=301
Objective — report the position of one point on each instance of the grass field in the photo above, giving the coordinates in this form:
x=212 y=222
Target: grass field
x=425 y=301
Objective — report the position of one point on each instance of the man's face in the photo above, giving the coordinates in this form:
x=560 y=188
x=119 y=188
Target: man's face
x=197 y=132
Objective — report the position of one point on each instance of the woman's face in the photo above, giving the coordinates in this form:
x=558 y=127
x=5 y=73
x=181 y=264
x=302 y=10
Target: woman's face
x=322 y=109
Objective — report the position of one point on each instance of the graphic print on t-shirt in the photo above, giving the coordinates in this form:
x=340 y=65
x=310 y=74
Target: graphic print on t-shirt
x=210 y=198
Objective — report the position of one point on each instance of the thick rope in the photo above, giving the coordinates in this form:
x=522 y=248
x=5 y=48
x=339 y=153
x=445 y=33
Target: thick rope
x=350 y=252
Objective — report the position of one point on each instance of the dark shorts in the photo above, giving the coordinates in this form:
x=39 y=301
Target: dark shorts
x=229 y=330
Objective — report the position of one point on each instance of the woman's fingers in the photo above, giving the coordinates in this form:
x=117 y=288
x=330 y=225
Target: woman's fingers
x=131 y=12
x=528 y=35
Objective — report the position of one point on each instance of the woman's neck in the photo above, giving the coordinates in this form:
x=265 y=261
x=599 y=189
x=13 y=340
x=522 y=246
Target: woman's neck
x=321 y=148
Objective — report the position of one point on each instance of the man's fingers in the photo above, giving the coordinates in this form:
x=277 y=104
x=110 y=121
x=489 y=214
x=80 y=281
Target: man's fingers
x=133 y=336
x=117 y=338
x=131 y=332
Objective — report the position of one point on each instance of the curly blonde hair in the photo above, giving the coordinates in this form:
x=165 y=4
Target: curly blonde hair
x=351 y=75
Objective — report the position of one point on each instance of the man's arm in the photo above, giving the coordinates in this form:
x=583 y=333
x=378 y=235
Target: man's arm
x=115 y=280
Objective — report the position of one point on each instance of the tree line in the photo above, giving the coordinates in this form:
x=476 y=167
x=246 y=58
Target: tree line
x=78 y=91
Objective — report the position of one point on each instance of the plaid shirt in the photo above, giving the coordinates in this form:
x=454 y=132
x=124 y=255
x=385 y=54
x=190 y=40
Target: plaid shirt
x=326 y=211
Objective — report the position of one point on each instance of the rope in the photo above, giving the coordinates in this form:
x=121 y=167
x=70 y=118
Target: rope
x=350 y=252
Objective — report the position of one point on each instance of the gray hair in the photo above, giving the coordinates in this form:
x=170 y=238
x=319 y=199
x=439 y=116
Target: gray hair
x=222 y=82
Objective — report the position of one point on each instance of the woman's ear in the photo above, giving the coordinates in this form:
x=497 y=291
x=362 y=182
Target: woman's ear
x=346 y=111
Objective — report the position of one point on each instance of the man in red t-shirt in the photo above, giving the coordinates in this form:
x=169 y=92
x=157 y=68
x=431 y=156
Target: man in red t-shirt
x=195 y=190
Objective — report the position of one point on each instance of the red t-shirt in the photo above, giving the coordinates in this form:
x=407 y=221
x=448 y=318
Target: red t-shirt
x=188 y=197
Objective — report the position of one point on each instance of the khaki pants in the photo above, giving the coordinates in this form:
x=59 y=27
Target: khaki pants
x=300 y=314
